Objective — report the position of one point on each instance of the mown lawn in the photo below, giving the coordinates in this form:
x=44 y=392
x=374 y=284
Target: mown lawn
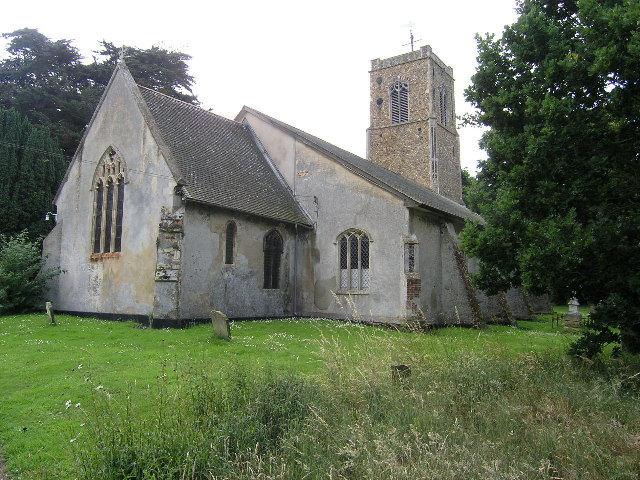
x=51 y=377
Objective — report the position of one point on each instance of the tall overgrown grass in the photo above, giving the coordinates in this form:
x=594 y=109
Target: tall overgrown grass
x=473 y=416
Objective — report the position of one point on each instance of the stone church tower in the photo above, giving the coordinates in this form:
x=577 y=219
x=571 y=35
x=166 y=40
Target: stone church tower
x=413 y=127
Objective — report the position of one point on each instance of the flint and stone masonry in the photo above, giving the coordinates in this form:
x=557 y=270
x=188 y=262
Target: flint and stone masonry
x=426 y=148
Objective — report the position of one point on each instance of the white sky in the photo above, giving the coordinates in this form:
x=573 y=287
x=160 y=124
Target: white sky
x=304 y=63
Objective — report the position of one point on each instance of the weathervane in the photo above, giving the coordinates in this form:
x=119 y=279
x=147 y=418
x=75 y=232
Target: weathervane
x=410 y=25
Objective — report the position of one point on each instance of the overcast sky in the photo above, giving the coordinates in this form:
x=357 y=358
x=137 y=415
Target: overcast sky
x=304 y=63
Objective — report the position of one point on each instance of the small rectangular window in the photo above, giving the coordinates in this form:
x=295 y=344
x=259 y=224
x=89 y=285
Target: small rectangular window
x=409 y=257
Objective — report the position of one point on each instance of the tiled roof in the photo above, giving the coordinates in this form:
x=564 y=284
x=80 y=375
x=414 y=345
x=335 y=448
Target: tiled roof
x=376 y=174
x=219 y=161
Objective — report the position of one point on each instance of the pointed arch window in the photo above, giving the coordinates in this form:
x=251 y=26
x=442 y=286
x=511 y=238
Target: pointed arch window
x=97 y=229
x=272 y=257
x=117 y=244
x=230 y=238
x=443 y=106
x=399 y=101
x=108 y=216
x=353 y=247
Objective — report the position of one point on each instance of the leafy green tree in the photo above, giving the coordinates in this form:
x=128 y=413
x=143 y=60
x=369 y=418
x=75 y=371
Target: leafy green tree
x=47 y=82
x=22 y=277
x=475 y=194
x=32 y=166
x=560 y=93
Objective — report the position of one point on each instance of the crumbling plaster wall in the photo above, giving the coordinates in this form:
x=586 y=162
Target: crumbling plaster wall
x=125 y=282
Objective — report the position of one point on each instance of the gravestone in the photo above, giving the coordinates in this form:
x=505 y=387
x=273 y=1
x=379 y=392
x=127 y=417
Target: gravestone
x=400 y=373
x=220 y=324
x=52 y=317
x=573 y=318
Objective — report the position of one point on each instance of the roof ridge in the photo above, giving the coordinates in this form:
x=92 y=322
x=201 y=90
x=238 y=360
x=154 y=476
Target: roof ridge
x=198 y=107
x=345 y=157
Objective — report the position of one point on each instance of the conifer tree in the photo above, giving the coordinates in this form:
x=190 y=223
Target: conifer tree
x=31 y=169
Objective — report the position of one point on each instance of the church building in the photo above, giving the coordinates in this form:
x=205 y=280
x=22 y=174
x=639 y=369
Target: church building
x=169 y=211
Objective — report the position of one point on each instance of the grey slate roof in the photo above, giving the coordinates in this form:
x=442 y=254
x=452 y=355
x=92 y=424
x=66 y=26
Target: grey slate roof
x=219 y=161
x=376 y=174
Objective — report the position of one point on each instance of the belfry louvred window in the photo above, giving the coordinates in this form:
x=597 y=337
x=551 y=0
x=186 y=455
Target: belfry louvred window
x=353 y=247
x=399 y=101
x=108 y=212
x=444 y=107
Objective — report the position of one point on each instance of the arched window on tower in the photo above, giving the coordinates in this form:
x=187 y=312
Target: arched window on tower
x=399 y=101
x=353 y=251
x=230 y=238
x=108 y=209
x=272 y=257
x=443 y=106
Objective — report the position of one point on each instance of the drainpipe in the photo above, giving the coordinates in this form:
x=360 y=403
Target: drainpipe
x=295 y=273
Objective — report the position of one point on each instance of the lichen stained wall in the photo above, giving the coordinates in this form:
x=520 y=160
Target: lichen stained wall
x=120 y=283
x=207 y=283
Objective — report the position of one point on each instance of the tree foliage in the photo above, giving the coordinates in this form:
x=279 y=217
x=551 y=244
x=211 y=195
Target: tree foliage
x=47 y=82
x=22 y=277
x=474 y=192
x=32 y=166
x=560 y=93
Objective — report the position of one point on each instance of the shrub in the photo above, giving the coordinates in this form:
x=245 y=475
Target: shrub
x=22 y=277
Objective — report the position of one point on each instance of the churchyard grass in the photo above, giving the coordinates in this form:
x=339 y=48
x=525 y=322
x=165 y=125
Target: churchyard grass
x=309 y=399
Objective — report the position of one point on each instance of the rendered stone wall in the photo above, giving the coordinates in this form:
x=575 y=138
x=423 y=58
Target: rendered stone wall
x=121 y=282
x=338 y=200
x=207 y=283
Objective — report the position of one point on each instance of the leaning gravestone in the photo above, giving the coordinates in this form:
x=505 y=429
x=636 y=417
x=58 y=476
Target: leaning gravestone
x=220 y=324
x=573 y=318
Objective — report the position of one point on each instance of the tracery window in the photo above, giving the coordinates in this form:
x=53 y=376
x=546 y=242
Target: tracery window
x=399 y=96
x=230 y=238
x=108 y=203
x=353 y=250
x=272 y=257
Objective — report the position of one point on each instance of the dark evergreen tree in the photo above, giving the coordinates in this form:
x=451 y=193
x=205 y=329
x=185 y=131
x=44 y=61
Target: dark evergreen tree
x=43 y=80
x=162 y=70
x=32 y=166
x=560 y=93
x=47 y=82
